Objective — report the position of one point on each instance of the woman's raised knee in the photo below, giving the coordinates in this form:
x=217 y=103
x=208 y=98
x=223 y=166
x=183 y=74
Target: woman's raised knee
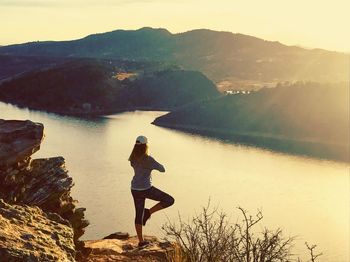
x=168 y=202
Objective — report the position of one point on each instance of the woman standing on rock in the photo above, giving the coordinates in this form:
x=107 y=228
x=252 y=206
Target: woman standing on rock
x=141 y=187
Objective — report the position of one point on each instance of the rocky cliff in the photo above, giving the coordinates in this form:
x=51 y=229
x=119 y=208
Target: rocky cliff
x=43 y=183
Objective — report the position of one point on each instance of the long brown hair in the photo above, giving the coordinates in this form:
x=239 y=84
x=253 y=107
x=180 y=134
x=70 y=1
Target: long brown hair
x=138 y=152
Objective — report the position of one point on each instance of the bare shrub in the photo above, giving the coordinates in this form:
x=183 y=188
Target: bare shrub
x=209 y=236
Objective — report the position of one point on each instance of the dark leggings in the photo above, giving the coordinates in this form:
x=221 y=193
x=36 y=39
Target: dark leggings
x=153 y=193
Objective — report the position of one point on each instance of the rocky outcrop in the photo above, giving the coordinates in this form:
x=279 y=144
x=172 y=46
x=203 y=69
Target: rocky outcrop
x=125 y=248
x=19 y=140
x=44 y=183
x=29 y=234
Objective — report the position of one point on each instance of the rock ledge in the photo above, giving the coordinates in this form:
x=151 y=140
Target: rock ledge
x=127 y=250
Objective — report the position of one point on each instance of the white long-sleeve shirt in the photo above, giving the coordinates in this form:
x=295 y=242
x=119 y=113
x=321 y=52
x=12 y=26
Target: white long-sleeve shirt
x=143 y=167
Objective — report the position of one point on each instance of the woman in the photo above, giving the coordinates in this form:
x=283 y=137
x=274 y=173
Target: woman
x=141 y=187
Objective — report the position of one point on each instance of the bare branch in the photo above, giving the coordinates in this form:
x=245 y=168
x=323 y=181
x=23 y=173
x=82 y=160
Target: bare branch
x=210 y=236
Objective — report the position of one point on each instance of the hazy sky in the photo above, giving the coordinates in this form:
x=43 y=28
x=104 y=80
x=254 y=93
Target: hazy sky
x=309 y=23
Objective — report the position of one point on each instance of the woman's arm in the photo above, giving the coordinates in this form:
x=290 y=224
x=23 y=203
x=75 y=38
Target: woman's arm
x=155 y=165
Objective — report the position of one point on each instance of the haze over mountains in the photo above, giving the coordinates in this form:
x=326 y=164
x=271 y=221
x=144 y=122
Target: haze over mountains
x=219 y=55
x=152 y=69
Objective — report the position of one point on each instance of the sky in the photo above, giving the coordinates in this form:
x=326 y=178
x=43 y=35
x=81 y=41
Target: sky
x=307 y=23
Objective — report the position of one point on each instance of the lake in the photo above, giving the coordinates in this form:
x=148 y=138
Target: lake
x=307 y=198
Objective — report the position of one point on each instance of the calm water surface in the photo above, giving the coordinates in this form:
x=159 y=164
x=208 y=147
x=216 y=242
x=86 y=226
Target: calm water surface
x=305 y=197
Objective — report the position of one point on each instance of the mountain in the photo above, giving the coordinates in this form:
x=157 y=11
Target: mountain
x=222 y=56
x=307 y=118
x=143 y=44
x=99 y=87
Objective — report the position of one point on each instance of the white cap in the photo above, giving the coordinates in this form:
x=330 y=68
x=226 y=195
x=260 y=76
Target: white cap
x=141 y=140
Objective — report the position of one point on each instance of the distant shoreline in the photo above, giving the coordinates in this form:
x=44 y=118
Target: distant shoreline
x=88 y=114
x=307 y=147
